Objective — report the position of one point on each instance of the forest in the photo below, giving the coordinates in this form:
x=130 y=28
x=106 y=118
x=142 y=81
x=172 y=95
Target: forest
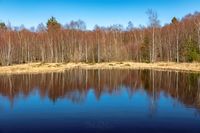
x=177 y=41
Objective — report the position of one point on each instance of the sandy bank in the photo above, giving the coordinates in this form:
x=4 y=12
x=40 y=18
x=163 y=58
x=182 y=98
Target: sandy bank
x=59 y=67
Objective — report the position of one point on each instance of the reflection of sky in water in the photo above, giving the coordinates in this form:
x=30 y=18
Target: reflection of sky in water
x=120 y=111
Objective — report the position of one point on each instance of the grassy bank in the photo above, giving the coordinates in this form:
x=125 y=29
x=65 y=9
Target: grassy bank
x=59 y=67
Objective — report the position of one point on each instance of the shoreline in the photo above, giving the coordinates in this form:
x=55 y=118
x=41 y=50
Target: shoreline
x=35 y=68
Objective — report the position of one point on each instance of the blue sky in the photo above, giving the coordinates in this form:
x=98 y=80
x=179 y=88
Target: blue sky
x=101 y=12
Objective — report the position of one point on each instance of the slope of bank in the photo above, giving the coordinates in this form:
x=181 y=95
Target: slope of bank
x=59 y=67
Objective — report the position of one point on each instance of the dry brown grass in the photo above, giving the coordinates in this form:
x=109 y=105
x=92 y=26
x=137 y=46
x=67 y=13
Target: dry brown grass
x=58 y=67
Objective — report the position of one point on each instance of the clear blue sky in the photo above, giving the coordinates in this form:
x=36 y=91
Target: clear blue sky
x=101 y=12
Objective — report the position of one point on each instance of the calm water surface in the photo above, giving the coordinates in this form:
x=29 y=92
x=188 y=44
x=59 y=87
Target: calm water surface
x=100 y=101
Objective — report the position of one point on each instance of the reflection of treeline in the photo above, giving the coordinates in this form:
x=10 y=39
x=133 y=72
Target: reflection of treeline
x=184 y=87
x=75 y=84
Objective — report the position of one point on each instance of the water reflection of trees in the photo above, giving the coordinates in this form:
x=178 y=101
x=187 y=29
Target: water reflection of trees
x=75 y=84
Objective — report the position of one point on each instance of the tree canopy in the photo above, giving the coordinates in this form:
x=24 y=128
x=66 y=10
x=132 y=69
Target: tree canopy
x=52 y=23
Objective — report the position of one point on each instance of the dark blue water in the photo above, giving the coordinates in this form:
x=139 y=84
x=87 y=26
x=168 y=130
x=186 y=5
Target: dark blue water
x=100 y=101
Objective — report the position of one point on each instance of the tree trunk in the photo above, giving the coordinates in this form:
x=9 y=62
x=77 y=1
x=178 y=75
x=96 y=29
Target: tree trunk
x=177 y=49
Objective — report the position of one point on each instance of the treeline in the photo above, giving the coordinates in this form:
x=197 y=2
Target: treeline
x=178 y=41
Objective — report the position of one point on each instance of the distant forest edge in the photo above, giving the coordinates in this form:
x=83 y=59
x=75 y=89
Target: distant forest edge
x=178 y=41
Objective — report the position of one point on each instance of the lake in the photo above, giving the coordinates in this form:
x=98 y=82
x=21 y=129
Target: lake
x=100 y=101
